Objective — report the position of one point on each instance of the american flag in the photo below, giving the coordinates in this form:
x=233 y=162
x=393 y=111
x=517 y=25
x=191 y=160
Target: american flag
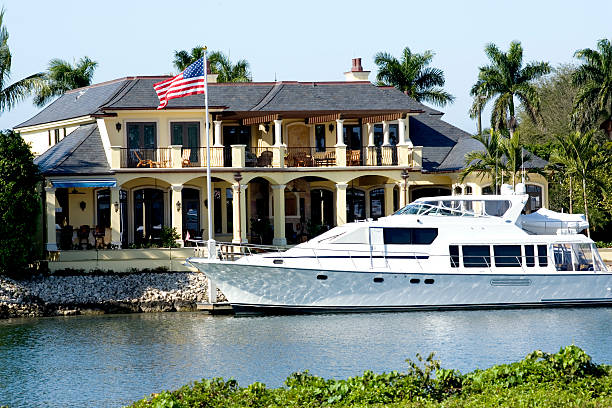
x=188 y=82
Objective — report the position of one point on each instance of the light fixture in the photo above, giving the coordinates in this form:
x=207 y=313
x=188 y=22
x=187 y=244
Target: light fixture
x=118 y=126
x=116 y=204
x=178 y=206
x=267 y=127
x=83 y=205
x=331 y=127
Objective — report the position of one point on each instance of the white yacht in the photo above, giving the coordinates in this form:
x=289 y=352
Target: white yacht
x=443 y=252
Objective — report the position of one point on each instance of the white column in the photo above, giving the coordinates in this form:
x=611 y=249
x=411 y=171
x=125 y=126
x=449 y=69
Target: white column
x=176 y=209
x=341 y=203
x=115 y=219
x=278 y=130
x=401 y=130
x=388 y=210
x=239 y=215
x=370 y=127
x=51 y=244
x=340 y=132
x=218 y=142
x=385 y=133
x=278 y=195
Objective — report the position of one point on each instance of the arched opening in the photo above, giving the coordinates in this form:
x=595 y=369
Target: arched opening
x=355 y=205
x=148 y=215
x=430 y=192
x=321 y=208
x=191 y=212
x=377 y=203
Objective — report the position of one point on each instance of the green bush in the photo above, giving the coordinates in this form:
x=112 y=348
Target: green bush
x=168 y=237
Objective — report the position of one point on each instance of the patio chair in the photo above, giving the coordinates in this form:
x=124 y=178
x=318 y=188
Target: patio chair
x=353 y=158
x=186 y=157
x=99 y=236
x=142 y=162
x=83 y=235
x=265 y=159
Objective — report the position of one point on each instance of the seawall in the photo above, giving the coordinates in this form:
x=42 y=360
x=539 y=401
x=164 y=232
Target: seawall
x=54 y=295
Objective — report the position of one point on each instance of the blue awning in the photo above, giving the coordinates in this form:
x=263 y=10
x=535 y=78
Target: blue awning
x=64 y=183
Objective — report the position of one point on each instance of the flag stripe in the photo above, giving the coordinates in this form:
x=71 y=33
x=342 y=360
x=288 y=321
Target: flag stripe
x=189 y=82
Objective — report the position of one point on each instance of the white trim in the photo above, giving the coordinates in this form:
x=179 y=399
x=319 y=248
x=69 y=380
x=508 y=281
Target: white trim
x=101 y=124
x=81 y=120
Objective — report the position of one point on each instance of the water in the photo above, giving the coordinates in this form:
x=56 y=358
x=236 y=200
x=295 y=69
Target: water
x=111 y=360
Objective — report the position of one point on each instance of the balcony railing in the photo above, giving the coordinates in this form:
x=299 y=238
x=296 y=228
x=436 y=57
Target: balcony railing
x=196 y=157
x=146 y=158
x=259 y=156
x=374 y=156
x=310 y=157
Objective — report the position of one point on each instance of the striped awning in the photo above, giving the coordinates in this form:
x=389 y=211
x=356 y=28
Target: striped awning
x=91 y=182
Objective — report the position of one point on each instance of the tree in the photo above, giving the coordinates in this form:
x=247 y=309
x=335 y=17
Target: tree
x=228 y=72
x=557 y=94
x=564 y=157
x=61 y=76
x=219 y=64
x=505 y=79
x=412 y=76
x=19 y=203
x=486 y=162
x=17 y=91
x=183 y=59
x=515 y=157
x=594 y=79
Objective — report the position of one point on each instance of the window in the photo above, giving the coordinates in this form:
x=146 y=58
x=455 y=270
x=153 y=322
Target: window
x=497 y=208
x=355 y=205
x=562 y=254
x=476 y=256
x=542 y=255
x=103 y=208
x=57 y=135
x=377 y=203
x=410 y=236
x=393 y=134
x=320 y=138
x=187 y=134
x=217 y=219
x=378 y=135
x=454 y=255
x=468 y=190
x=352 y=137
x=229 y=207
x=49 y=134
x=535 y=197
x=583 y=257
x=507 y=255
x=529 y=256
x=141 y=135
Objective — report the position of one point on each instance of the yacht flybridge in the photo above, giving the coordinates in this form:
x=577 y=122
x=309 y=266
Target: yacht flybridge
x=436 y=253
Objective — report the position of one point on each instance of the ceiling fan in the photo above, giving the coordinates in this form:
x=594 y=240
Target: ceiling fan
x=74 y=191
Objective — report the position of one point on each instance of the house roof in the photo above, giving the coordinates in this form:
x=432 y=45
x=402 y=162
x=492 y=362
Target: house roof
x=77 y=103
x=79 y=153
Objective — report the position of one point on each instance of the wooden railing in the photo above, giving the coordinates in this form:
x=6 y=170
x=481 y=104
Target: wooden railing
x=146 y=158
x=196 y=157
x=372 y=156
x=310 y=157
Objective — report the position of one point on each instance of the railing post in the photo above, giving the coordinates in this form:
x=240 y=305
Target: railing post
x=176 y=156
x=278 y=156
x=238 y=156
x=115 y=157
x=341 y=155
x=417 y=157
x=404 y=155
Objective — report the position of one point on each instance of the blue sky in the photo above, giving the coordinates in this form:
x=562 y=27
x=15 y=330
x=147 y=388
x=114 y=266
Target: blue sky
x=302 y=41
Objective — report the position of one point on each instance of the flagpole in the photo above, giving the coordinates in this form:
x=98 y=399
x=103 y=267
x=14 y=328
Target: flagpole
x=211 y=242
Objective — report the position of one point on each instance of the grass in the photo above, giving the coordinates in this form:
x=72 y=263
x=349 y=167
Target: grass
x=568 y=378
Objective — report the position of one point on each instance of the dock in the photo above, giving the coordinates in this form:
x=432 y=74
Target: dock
x=215 y=308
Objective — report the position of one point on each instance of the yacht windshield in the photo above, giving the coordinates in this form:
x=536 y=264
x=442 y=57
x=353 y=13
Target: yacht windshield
x=457 y=208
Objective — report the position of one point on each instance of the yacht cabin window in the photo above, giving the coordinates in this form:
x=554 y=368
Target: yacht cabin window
x=454 y=255
x=476 y=256
x=410 y=236
x=507 y=255
x=542 y=255
x=529 y=256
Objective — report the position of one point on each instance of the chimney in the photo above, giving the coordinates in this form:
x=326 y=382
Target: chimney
x=212 y=78
x=356 y=73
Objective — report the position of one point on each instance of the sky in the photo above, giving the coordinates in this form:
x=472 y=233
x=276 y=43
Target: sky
x=297 y=41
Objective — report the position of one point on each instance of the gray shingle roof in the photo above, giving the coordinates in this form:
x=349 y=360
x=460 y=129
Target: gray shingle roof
x=437 y=138
x=79 y=153
x=76 y=103
x=456 y=157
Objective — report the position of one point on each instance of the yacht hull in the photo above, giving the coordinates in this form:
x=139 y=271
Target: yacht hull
x=266 y=289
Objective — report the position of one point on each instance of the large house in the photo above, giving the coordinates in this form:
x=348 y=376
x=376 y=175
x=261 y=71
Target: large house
x=288 y=159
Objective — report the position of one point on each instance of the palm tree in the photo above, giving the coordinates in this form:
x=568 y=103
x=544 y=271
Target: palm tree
x=564 y=156
x=594 y=78
x=588 y=158
x=515 y=157
x=61 y=76
x=183 y=59
x=486 y=162
x=507 y=78
x=17 y=91
x=412 y=76
x=220 y=64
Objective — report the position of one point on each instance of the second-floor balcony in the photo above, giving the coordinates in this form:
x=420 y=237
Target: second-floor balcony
x=241 y=156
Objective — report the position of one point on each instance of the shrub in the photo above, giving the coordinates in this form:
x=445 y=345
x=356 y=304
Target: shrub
x=168 y=237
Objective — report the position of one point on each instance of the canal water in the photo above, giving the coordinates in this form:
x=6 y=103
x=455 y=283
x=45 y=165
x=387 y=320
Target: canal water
x=111 y=360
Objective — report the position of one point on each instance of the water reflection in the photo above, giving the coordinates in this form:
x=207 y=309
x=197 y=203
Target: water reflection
x=111 y=360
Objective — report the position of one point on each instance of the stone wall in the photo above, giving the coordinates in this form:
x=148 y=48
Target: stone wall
x=88 y=294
